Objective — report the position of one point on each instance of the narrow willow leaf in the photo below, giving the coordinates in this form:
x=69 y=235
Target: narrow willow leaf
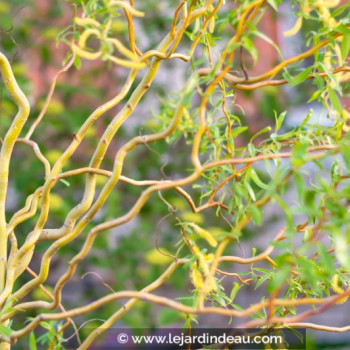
x=341 y=250
x=338 y=11
x=250 y=190
x=330 y=75
x=77 y=62
x=234 y=291
x=307 y=235
x=251 y=149
x=279 y=120
x=335 y=172
x=286 y=209
x=32 y=342
x=334 y=100
x=236 y=131
x=278 y=279
x=301 y=77
x=315 y=95
x=345 y=151
x=287 y=76
x=268 y=40
x=299 y=155
x=254 y=176
x=274 y=4
x=326 y=259
x=5 y=330
x=257 y=215
x=300 y=184
x=250 y=47
x=190 y=262
x=345 y=46
x=263 y=279
x=263 y=131
x=65 y=182
x=306 y=120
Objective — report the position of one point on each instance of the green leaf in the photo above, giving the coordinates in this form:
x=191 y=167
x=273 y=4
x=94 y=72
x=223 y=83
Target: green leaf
x=278 y=279
x=306 y=120
x=341 y=250
x=300 y=184
x=251 y=149
x=286 y=209
x=32 y=342
x=326 y=260
x=187 y=324
x=65 y=182
x=287 y=76
x=8 y=306
x=68 y=56
x=299 y=154
x=307 y=235
x=237 y=307
x=254 y=176
x=338 y=11
x=335 y=172
x=253 y=251
x=334 y=100
x=251 y=48
x=345 y=46
x=190 y=262
x=279 y=120
x=314 y=96
x=257 y=215
x=345 y=151
x=268 y=40
x=263 y=131
x=221 y=301
x=250 y=190
x=330 y=75
x=77 y=62
x=274 y=4
x=5 y=330
x=234 y=291
x=236 y=131
x=263 y=279
x=309 y=272
x=301 y=77
x=319 y=82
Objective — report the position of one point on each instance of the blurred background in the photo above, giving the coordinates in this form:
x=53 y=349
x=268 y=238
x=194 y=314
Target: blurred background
x=126 y=257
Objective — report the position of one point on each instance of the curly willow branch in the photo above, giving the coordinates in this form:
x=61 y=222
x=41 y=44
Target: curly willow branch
x=12 y=265
x=69 y=232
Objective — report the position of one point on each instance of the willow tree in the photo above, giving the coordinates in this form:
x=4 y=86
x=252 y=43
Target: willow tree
x=307 y=263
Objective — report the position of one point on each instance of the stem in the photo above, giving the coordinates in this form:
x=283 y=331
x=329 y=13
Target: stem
x=5 y=154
